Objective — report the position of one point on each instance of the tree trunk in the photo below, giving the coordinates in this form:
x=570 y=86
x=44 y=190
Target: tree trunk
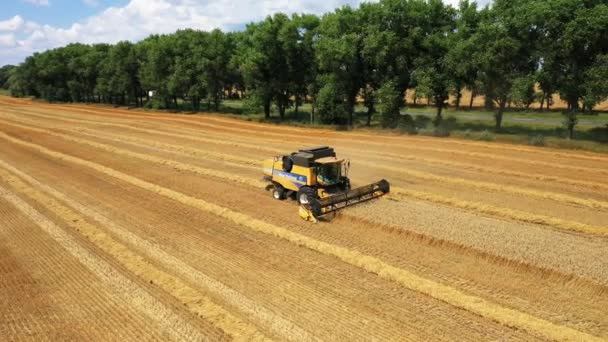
x=175 y=101
x=500 y=112
x=282 y=111
x=267 y=109
x=472 y=99
x=439 y=116
x=542 y=102
x=297 y=103
x=370 y=113
x=458 y=97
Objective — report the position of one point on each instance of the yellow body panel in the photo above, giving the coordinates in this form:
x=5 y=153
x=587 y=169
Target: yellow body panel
x=298 y=176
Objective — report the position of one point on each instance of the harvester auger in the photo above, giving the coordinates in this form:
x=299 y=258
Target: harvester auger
x=318 y=180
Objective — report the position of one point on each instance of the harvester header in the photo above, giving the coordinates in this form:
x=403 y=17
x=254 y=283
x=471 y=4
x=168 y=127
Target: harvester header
x=318 y=180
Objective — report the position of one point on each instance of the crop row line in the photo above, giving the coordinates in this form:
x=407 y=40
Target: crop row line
x=277 y=324
x=195 y=301
x=174 y=325
x=469 y=205
x=282 y=135
x=299 y=131
x=595 y=204
x=452 y=296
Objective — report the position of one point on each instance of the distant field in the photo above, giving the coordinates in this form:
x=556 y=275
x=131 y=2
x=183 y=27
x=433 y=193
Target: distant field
x=479 y=101
x=127 y=225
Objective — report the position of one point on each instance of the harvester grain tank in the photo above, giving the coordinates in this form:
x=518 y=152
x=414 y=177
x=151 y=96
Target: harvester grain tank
x=318 y=180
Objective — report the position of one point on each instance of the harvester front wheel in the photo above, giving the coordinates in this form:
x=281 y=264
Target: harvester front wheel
x=305 y=195
x=278 y=192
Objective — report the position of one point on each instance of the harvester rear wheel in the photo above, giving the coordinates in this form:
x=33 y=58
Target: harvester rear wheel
x=278 y=192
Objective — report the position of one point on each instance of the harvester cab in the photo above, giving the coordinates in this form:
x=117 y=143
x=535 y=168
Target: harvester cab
x=318 y=180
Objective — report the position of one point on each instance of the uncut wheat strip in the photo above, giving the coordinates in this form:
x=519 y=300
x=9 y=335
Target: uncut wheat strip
x=162 y=161
x=193 y=134
x=595 y=204
x=410 y=173
x=434 y=161
x=345 y=138
x=398 y=138
x=196 y=302
x=469 y=205
x=389 y=157
x=281 y=135
x=481 y=185
x=504 y=172
x=503 y=212
x=282 y=327
x=177 y=328
x=171 y=147
x=149 y=131
x=402 y=139
x=447 y=294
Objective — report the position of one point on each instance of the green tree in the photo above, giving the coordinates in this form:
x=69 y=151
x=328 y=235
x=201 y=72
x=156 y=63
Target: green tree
x=264 y=63
x=523 y=93
x=503 y=53
x=5 y=74
x=434 y=72
x=339 y=60
x=460 y=57
x=157 y=65
x=390 y=100
x=330 y=101
x=585 y=40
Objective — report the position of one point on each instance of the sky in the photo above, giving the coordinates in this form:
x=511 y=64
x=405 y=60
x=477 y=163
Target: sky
x=28 y=26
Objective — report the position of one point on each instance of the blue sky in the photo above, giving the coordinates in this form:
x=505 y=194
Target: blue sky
x=57 y=12
x=28 y=26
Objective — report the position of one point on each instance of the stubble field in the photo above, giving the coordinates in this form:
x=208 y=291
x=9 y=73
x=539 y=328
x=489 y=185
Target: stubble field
x=117 y=224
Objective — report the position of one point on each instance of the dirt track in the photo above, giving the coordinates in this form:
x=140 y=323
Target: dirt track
x=119 y=224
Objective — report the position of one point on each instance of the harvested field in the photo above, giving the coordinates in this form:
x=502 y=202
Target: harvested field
x=118 y=224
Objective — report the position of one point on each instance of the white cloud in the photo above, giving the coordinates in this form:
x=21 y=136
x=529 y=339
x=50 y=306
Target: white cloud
x=7 y=40
x=38 y=2
x=140 y=18
x=13 y=24
x=91 y=3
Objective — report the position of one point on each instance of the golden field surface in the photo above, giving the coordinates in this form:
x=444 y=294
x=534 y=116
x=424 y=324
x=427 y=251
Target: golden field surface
x=118 y=224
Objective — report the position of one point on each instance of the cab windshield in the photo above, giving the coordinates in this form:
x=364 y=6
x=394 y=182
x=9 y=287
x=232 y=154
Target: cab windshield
x=329 y=173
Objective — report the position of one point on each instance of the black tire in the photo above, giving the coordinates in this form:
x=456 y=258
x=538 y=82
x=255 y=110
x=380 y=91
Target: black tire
x=315 y=207
x=287 y=164
x=278 y=192
x=305 y=195
x=384 y=186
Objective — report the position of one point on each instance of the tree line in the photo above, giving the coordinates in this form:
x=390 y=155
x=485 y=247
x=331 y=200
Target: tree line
x=511 y=52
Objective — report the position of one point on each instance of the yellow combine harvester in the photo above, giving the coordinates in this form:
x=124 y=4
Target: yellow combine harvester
x=318 y=180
